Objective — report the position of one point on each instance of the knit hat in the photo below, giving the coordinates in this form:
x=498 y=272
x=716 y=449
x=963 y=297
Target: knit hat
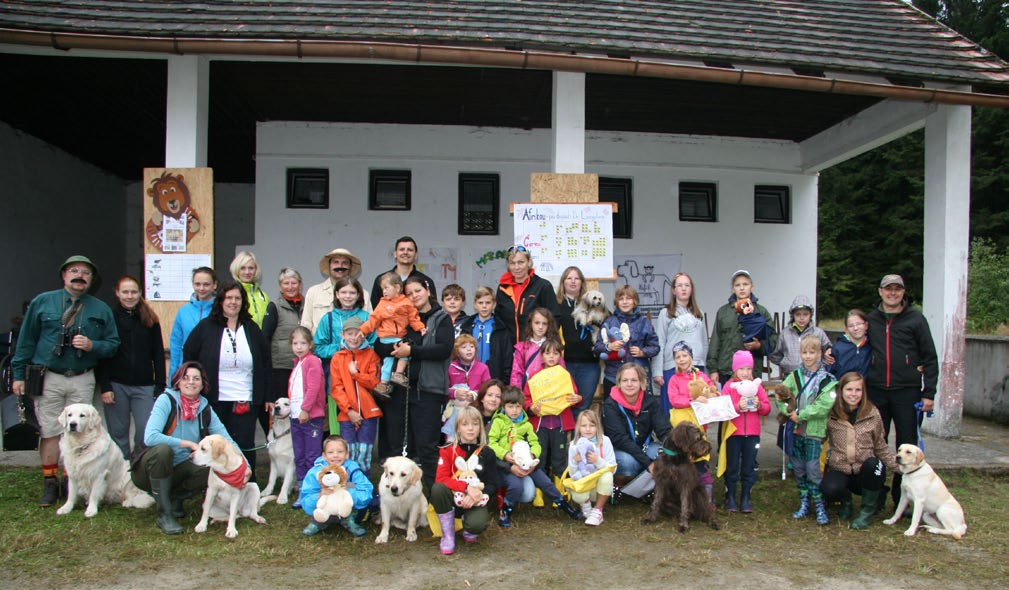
x=742 y=358
x=355 y=262
x=352 y=323
x=681 y=345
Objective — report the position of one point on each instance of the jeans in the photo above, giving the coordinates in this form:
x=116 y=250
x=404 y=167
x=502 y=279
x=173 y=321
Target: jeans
x=518 y=487
x=135 y=400
x=627 y=465
x=741 y=453
x=586 y=378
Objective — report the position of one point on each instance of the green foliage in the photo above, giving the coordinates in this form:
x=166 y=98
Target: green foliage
x=987 y=304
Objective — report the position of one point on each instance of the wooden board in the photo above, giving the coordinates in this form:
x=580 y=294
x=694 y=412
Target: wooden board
x=546 y=187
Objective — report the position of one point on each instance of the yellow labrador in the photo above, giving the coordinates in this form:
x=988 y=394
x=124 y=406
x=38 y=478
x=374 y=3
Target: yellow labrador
x=226 y=498
x=281 y=452
x=403 y=504
x=932 y=501
x=95 y=466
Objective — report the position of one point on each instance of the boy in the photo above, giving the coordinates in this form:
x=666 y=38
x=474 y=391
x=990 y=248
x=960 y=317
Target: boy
x=786 y=353
x=453 y=299
x=492 y=342
x=813 y=388
x=353 y=377
x=508 y=427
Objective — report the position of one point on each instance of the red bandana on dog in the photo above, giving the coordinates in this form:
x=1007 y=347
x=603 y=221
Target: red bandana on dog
x=236 y=478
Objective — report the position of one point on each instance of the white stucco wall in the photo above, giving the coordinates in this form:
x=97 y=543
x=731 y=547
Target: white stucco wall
x=782 y=258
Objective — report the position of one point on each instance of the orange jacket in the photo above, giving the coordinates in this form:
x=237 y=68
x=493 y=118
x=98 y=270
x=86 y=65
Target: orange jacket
x=391 y=317
x=342 y=384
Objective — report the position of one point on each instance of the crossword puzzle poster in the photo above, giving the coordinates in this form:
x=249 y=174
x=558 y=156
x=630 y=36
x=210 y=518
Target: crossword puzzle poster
x=572 y=234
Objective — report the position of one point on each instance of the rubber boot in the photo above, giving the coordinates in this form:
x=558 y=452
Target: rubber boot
x=803 y=510
x=469 y=537
x=178 y=503
x=709 y=490
x=821 y=511
x=845 y=512
x=504 y=519
x=869 y=505
x=161 y=489
x=881 y=500
x=538 y=499
x=730 y=498
x=350 y=523
x=447 y=522
x=744 y=500
x=568 y=509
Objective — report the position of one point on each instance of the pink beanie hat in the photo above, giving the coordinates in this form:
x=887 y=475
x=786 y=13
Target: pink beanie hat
x=742 y=358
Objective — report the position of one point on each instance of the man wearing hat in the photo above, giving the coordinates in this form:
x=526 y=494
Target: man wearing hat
x=335 y=264
x=905 y=367
x=405 y=253
x=64 y=334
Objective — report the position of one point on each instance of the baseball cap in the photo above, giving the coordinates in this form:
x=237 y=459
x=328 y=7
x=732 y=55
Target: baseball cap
x=891 y=280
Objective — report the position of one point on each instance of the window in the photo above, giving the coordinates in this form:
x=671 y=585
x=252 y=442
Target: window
x=618 y=190
x=772 y=204
x=389 y=190
x=698 y=201
x=479 y=202
x=307 y=188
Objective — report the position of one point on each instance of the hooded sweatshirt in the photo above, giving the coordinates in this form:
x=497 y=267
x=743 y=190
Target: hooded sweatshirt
x=786 y=353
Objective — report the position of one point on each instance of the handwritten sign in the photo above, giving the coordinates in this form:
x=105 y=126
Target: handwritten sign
x=570 y=234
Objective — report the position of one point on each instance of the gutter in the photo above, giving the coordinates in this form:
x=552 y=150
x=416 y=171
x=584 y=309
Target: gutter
x=492 y=57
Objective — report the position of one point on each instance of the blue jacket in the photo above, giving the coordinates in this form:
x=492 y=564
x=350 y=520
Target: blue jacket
x=184 y=429
x=361 y=493
x=185 y=320
x=642 y=335
x=329 y=333
x=850 y=357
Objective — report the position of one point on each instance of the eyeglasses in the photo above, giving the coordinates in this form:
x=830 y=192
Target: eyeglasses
x=76 y=270
x=515 y=249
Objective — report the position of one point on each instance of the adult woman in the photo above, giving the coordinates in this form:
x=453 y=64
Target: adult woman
x=858 y=456
x=581 y=362
x=236 y=356
x=283 y=315
x=488 y=400
x=414 y=418
x=681 y=320
x=200 y=302
x=519 y=293
x=130 y=380
x=634 y=422
x=179 y=419
x=245 y=269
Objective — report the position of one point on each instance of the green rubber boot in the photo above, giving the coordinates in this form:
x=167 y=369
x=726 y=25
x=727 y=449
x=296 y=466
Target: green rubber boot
x=869 y=499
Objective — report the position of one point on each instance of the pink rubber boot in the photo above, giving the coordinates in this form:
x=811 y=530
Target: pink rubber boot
x=447 y=522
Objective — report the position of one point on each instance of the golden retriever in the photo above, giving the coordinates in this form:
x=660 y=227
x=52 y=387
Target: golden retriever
x=225 y=501
x=402 y=501
x=281 y=452
x=95 y=466
x=932 y=501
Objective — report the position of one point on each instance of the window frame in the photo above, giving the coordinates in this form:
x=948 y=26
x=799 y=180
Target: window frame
x=378 y=176
x=296 y=176
x=783 y=193
x=623 y=217
x=494 y=180
x=702 y=190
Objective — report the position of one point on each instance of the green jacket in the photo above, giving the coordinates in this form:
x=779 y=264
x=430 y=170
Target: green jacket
x=817 y=410
x=503 y=433
x=727 y=338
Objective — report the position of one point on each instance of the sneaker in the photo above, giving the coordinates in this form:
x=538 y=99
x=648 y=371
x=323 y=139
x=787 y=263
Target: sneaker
x=400 y=379
x=595 y=517
x=311 y=530
x=50 y=492
x=586 y=509
x=382 y=391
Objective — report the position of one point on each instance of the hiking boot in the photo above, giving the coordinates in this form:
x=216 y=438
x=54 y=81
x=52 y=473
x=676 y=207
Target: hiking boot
x=50 y=492
x=568 y=509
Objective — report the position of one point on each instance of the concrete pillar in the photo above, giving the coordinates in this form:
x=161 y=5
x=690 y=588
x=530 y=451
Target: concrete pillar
x=947 y=234
x=186 y=117
x=568 y=147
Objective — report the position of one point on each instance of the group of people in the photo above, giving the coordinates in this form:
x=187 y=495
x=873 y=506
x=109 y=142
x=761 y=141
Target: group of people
x=507 y=390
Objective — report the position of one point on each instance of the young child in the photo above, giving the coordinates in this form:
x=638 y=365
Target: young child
x=526 y=360
x=492 y=341
x=852 y=351
x=813 y=388
x=465 y=377
x=335 y=452
x=637 y=342
x=750 y=328
x=470 y=441
x=678 y=397
x=354 y=374
x=453 y=299
x=306 y=388
x=786 y=353
x=590 y=428
x=390 y=319
x=549 y=396
x=741 y=437
x=509 y=426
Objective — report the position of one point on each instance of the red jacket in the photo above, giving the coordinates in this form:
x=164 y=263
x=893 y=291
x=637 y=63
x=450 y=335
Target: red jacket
x=342 y=384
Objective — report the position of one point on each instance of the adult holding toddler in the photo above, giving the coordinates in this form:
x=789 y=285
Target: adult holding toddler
x=681 y=321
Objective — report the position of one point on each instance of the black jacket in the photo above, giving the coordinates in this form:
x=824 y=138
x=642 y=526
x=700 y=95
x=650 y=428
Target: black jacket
x=650 y=421
x=501 y=347
x=140 y=359
x=376 y=288
x=204 y=345
x=578 y=341
x=538 y=293
x=900 y=345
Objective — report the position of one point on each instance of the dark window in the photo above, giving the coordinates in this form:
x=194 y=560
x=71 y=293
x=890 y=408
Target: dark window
x=307 y=188
x=389 y=189
x=618 y=190
x=479 y=198
x=772 y=204
x=698 y=201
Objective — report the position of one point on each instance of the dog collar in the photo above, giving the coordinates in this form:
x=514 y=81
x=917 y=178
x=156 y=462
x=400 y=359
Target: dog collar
x=669 y=452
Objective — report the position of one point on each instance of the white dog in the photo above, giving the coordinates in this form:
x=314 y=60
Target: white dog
x=95 y=465
x=523 y=455
x=281 y=452
x=591 y=311
x=932 y=501
x=225 y=500
x=403 y=504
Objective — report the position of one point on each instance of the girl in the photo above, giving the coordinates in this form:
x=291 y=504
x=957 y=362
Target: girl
x=335 y=452
x=580 y=360
x=135 y=376
x=470 y=439
x=752 y=329
x=552 y=426
x=852 y=351
x=465 y=376
x=680 y=321
x=200 y=302
x=741 y=437
x=637 y=342
x=390 y=320
x=488 y=400
x=245 y=269
x=354 y=375
x=678 y=399
x=591 y=429
x=306 y=388
x=526 y=360
x=348 y=302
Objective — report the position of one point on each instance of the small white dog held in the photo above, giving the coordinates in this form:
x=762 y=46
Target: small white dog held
x=229 y=494
x=931 y=501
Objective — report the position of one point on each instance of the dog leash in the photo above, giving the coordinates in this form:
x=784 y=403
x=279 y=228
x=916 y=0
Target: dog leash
x=917 y=422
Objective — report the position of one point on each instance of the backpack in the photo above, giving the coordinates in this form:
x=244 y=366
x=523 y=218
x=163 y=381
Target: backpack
x=170 y=424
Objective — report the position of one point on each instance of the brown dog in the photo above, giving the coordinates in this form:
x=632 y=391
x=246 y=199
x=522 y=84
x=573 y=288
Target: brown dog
x=784 y=395
x=677 y=489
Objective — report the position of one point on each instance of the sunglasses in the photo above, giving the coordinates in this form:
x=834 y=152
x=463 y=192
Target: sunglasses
x=515 y=249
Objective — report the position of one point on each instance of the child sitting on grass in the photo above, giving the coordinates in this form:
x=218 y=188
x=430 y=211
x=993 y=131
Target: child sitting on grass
x=335 y=452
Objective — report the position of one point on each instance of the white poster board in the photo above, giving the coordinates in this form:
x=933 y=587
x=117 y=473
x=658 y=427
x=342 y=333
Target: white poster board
x=651 y=275
x=169 y=277
x=559 y=235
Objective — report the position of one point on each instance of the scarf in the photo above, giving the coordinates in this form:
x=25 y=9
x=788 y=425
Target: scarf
x=296 y=300
x=236 y=478
x=188 y=407
x=618 y=396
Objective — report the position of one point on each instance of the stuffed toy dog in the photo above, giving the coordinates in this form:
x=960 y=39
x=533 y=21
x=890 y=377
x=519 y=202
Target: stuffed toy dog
x=334 y=499
x=784 y=395
x=583 y=446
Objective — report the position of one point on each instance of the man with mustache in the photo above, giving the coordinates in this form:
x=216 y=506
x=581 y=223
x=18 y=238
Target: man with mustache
x=65 y=332
x=338 y=263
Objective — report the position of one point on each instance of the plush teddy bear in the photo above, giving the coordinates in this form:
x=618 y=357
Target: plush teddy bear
x=623 y=336
x=523 y=455
x=747 y=390
x=784 y=395
x=334 y=499
x=583 y=468
x=698 y=388
x=466 y=471
x=744 y=306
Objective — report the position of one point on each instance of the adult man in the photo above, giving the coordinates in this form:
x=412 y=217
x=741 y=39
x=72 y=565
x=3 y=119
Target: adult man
x=405 y=253
x=66 y=332
x=905 y=368
x=335 y=264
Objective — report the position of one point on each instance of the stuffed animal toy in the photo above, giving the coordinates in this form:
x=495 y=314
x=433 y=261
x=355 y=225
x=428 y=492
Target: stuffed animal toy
x=784 y=395
x=334 y=499
x=523 y=455
x=747 y=390
x=697 y=388
x=744 y=306
x=583 y=446
x=623 y=336
x=466 y=471
x=590 y=312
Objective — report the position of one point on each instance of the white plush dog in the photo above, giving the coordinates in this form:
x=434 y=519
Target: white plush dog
x=281 y=452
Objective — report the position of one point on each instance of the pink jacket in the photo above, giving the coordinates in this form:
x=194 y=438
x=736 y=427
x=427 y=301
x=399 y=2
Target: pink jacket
x=747 y=423
x=679 y=389
x=313 y=381
x=477 y=375
x=523 y=352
